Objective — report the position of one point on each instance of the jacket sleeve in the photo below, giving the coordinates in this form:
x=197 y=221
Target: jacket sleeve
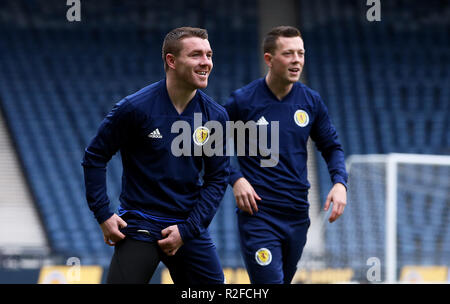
x=215 y=181
x=235 y=172
x=110 y=136
x=325 y=136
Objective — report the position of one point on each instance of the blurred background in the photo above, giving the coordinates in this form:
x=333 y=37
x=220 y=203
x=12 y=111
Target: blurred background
x=383 y=70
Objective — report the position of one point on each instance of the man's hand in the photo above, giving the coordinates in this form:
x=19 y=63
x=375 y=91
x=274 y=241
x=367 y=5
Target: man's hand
x=245 y=196
x=171 y=241
x=337 y=195
x=110 y=228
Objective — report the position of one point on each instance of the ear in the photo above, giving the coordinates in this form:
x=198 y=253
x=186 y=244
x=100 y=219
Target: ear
x=170 y=60
x=268 y=59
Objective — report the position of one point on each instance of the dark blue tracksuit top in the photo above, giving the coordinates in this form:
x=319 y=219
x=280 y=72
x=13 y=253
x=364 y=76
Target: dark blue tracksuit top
x=301 y=114
x=156 y=185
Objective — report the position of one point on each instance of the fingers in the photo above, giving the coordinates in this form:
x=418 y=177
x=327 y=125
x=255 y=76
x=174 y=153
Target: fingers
x=169 y=243
x=247 y=202
x=115 y=235
x=122 y=223
x=242 y=203
x=170 y=252
x=111 y=232
x=167 y=246
x=337 y=195
x=245 y=196
x=165 y=243
x=113 y=238
x=165 y=232
x=118 y=236
x=333 y=216
x=253 y=206
x=327 y=203
x=337 y=211
x=256 y=195
x=108 y=241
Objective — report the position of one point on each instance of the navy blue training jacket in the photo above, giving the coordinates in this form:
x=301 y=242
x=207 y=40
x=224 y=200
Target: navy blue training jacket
x=301 y=114
x=156 y=185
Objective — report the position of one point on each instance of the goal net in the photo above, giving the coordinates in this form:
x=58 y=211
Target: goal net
x=396 y=225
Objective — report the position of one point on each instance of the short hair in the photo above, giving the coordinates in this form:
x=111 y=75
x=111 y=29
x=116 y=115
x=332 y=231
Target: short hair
x=172 y=40
x=270 y=40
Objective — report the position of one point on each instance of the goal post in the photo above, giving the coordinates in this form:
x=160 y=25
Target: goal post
x=424 y=181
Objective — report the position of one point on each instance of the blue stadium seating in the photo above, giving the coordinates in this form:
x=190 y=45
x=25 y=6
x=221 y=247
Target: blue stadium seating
x=59 y=79
x=386 y=86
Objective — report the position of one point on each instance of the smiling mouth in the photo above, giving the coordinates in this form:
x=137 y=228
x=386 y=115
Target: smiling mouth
x=294 y=70
x=202 y=73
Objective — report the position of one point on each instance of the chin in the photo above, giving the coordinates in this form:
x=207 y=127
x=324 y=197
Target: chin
x=201 y=85
x=293 y=79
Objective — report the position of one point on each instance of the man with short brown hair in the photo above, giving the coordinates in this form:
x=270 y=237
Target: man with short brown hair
x=167 y=201
x=273 y=206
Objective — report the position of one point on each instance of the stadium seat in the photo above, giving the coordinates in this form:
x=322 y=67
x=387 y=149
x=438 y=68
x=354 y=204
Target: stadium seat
x=57 y=82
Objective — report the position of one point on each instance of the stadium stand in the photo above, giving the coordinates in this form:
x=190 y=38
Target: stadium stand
x=386 y=85
x=58 y=80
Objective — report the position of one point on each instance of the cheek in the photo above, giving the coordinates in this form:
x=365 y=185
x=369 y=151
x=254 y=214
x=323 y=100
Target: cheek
x=280 y=69
x=185 y=71
x=286 y=63
x=281 y=65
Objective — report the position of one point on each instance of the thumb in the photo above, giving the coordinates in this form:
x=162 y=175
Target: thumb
x=327 y=203
x=122 y=223
x=165 y=232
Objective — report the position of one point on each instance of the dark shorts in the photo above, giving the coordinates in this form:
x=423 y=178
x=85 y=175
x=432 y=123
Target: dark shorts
x=135 y=260
x=272 y=244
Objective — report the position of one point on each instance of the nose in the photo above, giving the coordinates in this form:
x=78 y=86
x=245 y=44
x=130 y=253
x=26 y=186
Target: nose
x=205 y=60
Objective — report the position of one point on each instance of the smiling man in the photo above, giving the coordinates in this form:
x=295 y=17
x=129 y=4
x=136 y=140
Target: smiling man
x=272 y=202
x=167 y=202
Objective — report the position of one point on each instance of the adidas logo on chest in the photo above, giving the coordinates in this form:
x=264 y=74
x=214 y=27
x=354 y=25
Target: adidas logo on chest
x=262 y=121
x=155 y=134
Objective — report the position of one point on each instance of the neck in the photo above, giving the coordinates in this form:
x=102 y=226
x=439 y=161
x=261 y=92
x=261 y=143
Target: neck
x=278 y=87
x=180 y=94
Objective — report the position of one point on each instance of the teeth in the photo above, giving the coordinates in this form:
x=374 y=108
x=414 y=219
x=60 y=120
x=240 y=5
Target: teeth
x=201 y=73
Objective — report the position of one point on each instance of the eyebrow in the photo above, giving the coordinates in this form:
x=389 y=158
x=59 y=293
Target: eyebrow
x=200 y=51
x=294 y=50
